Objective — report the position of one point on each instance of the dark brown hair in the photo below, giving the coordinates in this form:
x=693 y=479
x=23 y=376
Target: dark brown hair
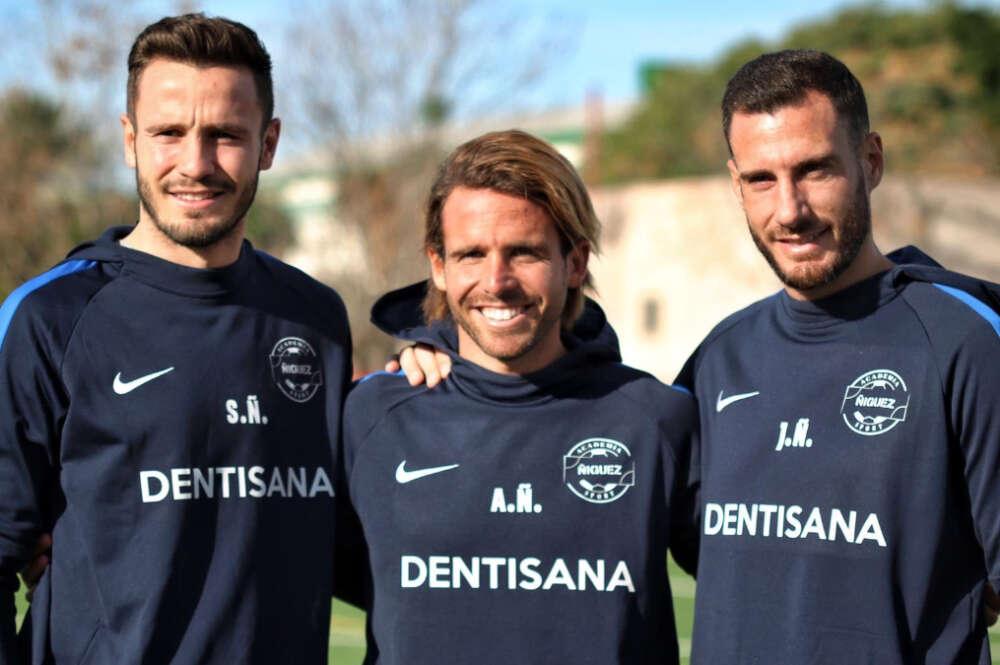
x=516 y=163
x=202 y=41
x=775 y=80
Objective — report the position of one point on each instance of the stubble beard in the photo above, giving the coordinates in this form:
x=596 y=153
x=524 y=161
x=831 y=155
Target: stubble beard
x=484 y=340
x=855 y=229
x=194 y=235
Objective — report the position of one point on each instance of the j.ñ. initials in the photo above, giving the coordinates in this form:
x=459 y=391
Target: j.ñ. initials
x=798 y=439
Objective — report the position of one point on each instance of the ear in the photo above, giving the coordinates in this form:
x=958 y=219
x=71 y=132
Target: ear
x=737 y=184
x=269 y=144
x=437 y=269
x=128 y=140
x=576 y=262
x=872 y=160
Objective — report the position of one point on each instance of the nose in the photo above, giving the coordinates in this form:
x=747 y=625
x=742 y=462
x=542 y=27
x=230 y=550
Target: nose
x=499 y=277
x=197 y=160
x=791 y=206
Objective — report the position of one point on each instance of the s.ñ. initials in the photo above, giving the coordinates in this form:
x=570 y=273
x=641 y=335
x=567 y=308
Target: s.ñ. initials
x=798 y=439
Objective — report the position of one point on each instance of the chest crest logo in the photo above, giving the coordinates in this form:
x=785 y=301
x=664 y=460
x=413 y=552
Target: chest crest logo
x=296 y=370
x=599 y=470
x=875 y=402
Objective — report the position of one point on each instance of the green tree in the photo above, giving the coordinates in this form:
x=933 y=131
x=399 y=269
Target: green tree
x=49 y=199
x=976 y=31
x=932 y=79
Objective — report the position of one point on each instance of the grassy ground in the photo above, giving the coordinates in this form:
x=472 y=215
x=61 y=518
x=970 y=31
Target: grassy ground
x=347 y=625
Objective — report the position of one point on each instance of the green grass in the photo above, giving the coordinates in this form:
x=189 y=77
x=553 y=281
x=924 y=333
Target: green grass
x=682 y=586
x=347 y=634
x=347 y=624
x=21 y=603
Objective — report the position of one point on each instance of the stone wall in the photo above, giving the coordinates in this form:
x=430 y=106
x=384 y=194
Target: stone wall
x=677 y=257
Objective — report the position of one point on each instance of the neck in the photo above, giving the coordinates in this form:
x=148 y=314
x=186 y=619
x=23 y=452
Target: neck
x=546 y=352
x=146 y=237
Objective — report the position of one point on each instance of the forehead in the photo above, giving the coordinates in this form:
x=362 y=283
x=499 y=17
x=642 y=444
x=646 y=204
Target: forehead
x=488 y=216
x=803 y=130
x=171 y=87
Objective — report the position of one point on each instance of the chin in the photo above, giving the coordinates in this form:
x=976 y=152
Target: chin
x=810 y=276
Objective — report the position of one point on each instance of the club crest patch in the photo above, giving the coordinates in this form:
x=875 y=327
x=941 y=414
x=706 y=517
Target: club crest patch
x=875 y=402
x=295 y=368
x=599 y=470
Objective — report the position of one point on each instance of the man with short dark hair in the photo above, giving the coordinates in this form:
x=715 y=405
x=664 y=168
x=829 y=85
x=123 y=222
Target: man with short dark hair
x=519 y=512
x=850 y=438
x=170 y=398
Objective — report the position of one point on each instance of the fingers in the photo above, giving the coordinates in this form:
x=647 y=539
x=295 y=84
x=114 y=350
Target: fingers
x=991 y=605
x=392 y=365
x=408 y=363
x=424 y=357
x=443 y=362
x=422 y=363
x=32 y=571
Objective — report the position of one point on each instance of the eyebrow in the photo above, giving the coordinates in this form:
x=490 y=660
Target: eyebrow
x=824 y=161
x=534 y=247
x=229 y=128
x=747 y=176
x=455 y=252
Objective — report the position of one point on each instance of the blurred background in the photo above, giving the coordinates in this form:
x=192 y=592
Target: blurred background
x=374 y=93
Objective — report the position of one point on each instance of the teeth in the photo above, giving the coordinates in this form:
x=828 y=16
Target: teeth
x=497 y=314
x=194 y=197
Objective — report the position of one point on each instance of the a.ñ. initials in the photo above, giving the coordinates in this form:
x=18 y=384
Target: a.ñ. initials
x=798 y=439
x=525 y=503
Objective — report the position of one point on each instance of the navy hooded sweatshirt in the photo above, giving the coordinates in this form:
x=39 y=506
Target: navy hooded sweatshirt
x=850 y=467
x=520 y=519
x=173 y=429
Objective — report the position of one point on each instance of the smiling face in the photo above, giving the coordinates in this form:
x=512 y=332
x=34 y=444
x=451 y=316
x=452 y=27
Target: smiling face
x=197 y=148
x=505 y=279
x=805 y=191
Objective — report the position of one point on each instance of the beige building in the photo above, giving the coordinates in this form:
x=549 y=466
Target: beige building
x=677 y=257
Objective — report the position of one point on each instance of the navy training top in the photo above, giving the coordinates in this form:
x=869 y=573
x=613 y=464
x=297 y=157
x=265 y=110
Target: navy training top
x=173 y=429
x=520 y=519
x=850 y=456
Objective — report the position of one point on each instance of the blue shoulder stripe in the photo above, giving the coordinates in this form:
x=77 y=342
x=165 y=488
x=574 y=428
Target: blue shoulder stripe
x=20 y=293
x=977 y=305
x=380 y=373
x=681 y=389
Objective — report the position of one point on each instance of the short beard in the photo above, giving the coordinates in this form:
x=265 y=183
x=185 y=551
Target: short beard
x=460 y=317
x=196 y=236
x=856 y=228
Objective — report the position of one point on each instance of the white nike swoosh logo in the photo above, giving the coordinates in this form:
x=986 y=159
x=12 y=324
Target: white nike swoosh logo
x=404 y=476
x=720 y=403
x=123 y=387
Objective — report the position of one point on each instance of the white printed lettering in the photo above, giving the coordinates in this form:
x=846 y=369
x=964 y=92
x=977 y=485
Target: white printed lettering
x=179 y=483
x=148 y=496
x=408 y=581
x=499 y=503
x=621 y=577
x=232 y=412
x=559 y=575
x=438 y=575
x=756 y=520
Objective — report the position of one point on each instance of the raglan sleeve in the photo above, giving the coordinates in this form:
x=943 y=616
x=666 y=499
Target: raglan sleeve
x=32 y=407
x=975 y=414
x=685 y=379
x=684 y=497
x=351 y=577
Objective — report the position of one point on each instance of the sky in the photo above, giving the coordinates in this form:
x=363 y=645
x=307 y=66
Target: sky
x=602 y=45
x=607 y=41
x=613 y=38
